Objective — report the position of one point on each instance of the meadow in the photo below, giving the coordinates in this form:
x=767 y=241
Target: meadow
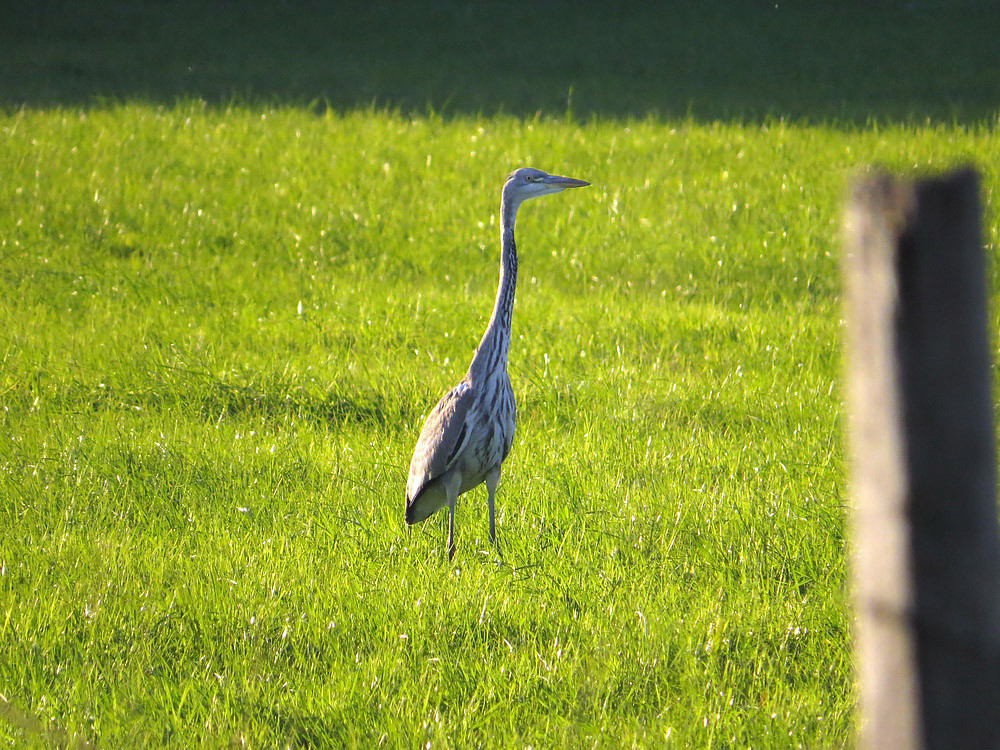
x=225 y=313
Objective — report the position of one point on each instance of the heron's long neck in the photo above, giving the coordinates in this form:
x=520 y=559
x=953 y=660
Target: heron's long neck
x=492 y=353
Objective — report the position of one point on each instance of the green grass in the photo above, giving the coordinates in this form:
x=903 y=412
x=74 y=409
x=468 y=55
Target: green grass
x=230 y=289
x=222 y=330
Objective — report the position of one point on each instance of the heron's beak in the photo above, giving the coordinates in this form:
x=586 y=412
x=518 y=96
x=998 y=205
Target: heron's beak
x=561 y=183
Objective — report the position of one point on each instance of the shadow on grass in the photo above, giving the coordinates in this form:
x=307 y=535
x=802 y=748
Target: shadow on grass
x=35 y=729
x=849 y=62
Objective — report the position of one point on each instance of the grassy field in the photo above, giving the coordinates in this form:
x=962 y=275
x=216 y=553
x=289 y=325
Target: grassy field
x=223 y=324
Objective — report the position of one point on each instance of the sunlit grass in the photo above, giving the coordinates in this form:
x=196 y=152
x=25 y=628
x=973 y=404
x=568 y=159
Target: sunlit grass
x=221 y=331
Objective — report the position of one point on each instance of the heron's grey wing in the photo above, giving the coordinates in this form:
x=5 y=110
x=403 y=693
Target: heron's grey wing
x=444 y=435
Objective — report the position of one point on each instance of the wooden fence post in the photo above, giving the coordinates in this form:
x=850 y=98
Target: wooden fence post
x=925 y=537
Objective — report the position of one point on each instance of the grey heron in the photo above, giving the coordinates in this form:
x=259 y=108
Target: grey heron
x=467 y=436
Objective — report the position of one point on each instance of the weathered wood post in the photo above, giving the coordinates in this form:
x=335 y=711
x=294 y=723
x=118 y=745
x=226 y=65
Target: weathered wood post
x=925 y=544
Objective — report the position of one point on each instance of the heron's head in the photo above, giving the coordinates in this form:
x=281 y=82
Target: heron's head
x=527 y=183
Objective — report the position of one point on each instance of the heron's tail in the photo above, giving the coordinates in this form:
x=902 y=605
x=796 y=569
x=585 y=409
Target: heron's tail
x=428 y=501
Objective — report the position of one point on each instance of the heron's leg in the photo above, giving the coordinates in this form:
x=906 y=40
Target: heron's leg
x=451 y=527
x=492 y=479
x=451 y=485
